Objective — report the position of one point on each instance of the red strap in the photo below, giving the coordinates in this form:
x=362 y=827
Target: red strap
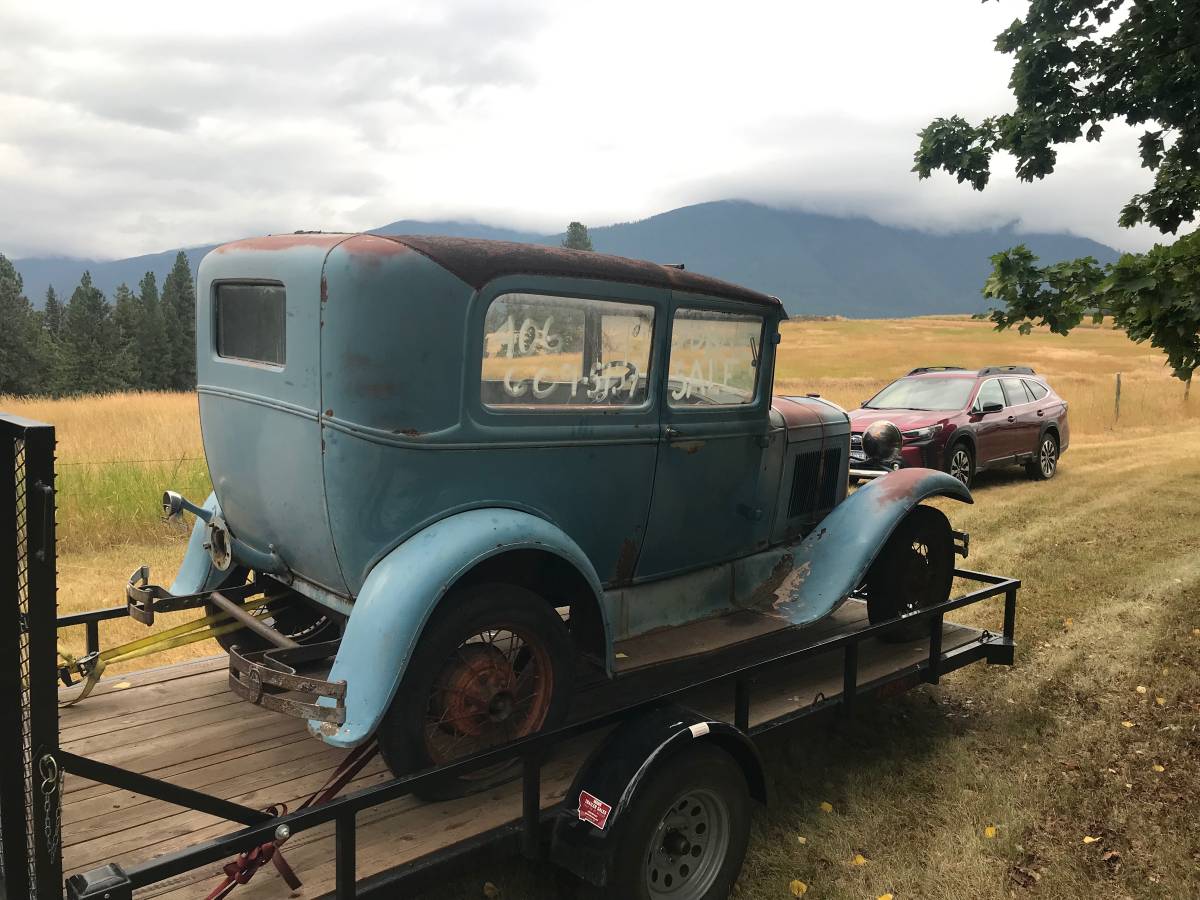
x=242 y=869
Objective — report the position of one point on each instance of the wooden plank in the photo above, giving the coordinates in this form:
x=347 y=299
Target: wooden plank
x=116 y=720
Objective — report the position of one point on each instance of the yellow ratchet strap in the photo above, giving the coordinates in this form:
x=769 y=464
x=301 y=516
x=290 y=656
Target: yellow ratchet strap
x=181 y=635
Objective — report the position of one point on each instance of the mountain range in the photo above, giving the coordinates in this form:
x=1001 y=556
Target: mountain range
x=816 y=264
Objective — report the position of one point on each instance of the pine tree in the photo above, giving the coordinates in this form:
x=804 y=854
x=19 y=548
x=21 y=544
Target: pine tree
x=21 y=346
x=52 y=314
x=91 y=346
x=179 y=315
x=127 y=315
x=577 y=237
x=152 y=337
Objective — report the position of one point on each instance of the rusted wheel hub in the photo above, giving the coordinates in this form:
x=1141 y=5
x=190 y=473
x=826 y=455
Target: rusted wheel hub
x=494 y=688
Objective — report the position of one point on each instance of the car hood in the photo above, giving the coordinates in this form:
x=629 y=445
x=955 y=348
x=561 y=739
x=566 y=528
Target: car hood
x=904 y=419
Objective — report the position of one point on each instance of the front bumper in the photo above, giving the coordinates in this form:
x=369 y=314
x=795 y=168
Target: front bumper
x=912 y=456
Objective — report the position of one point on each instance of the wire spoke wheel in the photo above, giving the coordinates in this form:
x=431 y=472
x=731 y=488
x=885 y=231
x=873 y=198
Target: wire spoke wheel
x=914 y=570
x=495 y=687
x=689 y=846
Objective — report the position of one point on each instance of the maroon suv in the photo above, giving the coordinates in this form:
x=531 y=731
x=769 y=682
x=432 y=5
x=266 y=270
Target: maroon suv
x=962 y=422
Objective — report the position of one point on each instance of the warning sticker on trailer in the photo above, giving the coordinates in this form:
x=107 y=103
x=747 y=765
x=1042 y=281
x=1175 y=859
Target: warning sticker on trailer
x=593 y=809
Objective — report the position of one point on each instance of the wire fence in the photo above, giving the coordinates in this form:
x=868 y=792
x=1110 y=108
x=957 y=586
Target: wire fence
x=136 y=462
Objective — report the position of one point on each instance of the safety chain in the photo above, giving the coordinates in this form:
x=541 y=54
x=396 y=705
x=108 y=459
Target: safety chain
x=52 y=779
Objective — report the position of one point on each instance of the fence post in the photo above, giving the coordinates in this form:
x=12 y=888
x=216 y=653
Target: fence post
x=1117 y=401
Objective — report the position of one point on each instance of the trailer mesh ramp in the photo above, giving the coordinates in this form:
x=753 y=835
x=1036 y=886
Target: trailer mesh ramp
x=181 y=723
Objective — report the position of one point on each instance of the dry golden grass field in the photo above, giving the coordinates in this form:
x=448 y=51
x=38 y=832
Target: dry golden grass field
x=1074 y=775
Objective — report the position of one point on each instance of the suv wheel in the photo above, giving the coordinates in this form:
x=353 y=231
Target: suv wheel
x=1045 y=460
x=960 y=463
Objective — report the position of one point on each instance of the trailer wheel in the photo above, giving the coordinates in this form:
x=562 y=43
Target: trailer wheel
x=301 y=621
x=494 y=664
x=915 y=570
x=683 y=835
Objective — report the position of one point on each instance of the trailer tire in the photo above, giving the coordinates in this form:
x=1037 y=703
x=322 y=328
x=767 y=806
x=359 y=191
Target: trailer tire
x=914 y=570
x=459 y=674
x=684 y=833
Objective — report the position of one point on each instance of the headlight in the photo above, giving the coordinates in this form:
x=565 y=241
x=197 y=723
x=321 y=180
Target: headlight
x=921 y=434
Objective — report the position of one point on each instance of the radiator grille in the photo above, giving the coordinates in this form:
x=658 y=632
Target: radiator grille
x=804 y=483
x=831 y=470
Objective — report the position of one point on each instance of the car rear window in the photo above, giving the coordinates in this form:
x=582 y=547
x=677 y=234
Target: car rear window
x=251 y=322
x=1038 y=390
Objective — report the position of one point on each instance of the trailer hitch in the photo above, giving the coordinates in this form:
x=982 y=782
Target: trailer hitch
x=264 y=676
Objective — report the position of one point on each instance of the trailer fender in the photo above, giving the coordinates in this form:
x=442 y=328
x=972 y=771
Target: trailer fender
x=583 y=840
x=197 y=572
x=404 y=588
x=833 y=560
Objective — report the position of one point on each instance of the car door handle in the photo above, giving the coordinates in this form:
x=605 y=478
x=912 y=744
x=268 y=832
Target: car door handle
x=671 y=432
x=1041 y=412
x=1012 y=418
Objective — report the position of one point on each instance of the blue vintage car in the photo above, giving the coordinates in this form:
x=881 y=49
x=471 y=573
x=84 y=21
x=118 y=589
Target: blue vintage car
x=469 y=470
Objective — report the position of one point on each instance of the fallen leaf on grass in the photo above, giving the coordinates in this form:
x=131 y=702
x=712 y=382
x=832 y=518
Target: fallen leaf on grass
x=1126 y=724
x=1026 y=878
x=859 y=860
x=801 y=839
x=1157 y=768
x=826 y=806
x=989 y=832
x=1161 y=701
x=884 y=897
x=1141 y=689
x=799 y=888
x=1088 y=839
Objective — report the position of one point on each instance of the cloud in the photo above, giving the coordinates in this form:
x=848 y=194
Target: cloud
x=145 y=126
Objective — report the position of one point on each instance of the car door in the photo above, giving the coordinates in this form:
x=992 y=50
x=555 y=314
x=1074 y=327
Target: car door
x=1021 y=415
x=993 y=442
x=714 y=423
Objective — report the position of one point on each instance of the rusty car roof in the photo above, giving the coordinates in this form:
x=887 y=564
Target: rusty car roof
x=478 y=261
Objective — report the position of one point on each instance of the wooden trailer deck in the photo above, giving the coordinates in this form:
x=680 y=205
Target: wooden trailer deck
x=181 y=723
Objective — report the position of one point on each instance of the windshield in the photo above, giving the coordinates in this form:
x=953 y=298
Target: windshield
x=924 y=394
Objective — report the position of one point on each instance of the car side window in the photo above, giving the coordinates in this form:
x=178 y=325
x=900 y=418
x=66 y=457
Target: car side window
x=1038 y=391
x=989 y=393
x=714 y=358
x=546 y=353
x=1014 y=391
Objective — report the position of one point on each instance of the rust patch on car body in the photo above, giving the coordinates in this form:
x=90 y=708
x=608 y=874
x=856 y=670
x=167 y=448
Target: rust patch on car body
x=409 y=432
x=766 y=594
x=688 y=447
x=272 y=242
x=626 y=561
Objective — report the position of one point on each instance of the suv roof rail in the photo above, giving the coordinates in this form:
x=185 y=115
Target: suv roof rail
x=1006 y=370
x=923 y=369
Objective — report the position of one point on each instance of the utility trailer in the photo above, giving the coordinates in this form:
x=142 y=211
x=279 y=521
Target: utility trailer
x=164 y=784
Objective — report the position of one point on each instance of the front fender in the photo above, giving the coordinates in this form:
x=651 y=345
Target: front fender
x=404 y=588
x=197 y=572
x=831 y=563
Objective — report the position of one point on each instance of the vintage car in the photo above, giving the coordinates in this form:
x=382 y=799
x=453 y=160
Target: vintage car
x=468 y=470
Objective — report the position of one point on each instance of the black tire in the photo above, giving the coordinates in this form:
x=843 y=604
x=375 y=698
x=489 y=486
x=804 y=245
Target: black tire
x=459 y=657
x=914 y=570
x=853 y=481
x=658 y=849
x=960 y=462
x=1044 y=464
x=296 y=617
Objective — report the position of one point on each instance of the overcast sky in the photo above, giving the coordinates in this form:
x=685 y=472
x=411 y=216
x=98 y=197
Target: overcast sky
x=134 y=127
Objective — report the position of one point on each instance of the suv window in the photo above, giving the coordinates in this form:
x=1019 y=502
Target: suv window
x=1037 y=390
x=547 y=352
x=989 y=393
x=714 y=358
x=1014 y=391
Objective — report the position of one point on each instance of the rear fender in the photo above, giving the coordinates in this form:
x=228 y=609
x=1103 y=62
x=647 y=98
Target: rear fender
x=833 y=560
x=585 y=843
x=401 y=593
